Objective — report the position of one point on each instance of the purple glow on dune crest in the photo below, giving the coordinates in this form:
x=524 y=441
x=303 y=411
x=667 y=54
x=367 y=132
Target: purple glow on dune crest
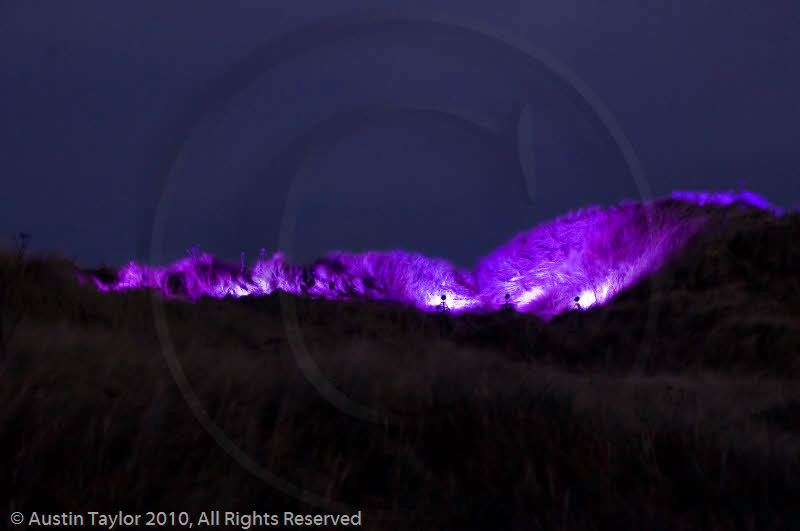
x=727 y=198
x=592 y=254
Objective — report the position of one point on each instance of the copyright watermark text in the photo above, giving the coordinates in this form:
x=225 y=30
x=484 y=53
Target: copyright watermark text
x=184 y=519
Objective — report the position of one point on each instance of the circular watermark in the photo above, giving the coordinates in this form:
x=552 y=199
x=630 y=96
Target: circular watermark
x=325 y=134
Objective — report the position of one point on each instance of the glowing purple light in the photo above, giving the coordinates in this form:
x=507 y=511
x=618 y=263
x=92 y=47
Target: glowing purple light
x=591 y=254
x=727 y=198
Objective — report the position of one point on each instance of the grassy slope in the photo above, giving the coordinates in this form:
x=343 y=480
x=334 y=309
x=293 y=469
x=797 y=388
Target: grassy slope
x=675 y=406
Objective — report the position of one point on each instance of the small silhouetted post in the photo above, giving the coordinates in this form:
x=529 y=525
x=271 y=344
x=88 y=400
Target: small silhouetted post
x=442 y=308
x=22 y=240
x=8 y=319
x=577 y=304
x=508 y=306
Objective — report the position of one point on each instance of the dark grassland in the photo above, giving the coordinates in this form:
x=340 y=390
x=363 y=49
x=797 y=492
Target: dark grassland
x=676 y=406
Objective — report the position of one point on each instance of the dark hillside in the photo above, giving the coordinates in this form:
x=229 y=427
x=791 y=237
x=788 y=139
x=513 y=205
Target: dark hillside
x=674 y=406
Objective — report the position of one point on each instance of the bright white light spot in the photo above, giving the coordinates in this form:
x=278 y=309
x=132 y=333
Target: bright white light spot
x=530 y=295
x=587 y=299
x=238 y=291
x=462 y=304
x=434 y=300
x=452 y=301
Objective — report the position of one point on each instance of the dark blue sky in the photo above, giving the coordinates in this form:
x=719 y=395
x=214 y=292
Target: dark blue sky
x=104 y=107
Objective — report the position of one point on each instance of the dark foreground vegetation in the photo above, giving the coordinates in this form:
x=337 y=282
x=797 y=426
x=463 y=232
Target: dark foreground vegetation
x=676 y=406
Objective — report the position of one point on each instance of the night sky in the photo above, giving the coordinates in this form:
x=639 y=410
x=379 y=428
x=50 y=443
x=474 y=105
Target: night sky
x=391 y=136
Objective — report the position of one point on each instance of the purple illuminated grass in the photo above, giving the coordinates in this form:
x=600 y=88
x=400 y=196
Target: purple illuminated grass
x=591 y=254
